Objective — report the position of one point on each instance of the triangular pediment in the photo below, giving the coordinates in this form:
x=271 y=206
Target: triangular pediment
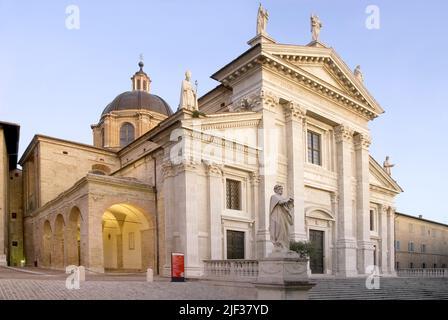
x=328 y=68
x=320 y=72
x=379 y=178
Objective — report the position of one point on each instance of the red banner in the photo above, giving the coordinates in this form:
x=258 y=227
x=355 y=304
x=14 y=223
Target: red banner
x=177 y=267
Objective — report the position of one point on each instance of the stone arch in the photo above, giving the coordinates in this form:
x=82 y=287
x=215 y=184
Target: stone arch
x=58 y=252
x=127 y=133
x=319 y=213
x=128 y=238
x=73 y=237
x=46 y=244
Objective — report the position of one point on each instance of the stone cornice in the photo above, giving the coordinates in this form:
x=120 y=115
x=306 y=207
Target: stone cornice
x=322 y=88
x=125 y=183
x=353 y=99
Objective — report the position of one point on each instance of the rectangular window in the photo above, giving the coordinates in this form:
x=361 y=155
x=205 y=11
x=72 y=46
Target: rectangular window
x=397 y=244
x=372 y=220
x=314 y=148
x=13 y=215
x=423 y=248
x=411 y=265
x=397 y=265
x=233 y=194
x=235 y=244
x=411 y=246
x=15 y=243
x=131 y=240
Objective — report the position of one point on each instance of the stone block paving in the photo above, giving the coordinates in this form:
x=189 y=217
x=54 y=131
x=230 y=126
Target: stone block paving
x=32 y=285
x=35 y=284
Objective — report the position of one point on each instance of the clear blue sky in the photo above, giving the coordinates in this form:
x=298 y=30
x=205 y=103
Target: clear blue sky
x=56 y=81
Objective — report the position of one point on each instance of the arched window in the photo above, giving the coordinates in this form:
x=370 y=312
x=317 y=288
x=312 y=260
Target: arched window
x=126 y=134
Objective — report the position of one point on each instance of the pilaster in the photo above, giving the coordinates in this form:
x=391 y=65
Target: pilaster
x=295 y=120
x=346 y=242
x=365 y=246
x=215 y=204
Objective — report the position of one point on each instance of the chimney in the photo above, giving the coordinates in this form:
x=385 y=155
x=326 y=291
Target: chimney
x=420 y=217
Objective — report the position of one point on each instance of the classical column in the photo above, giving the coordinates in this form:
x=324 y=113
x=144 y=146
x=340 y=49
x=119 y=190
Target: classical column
x=334 y=231
x=346 y=243
x=266 y=103
x=382 y=215
x=186 y=215
x=216 y=205
x=255 y=182
x=170 y=221
x=365 y=246
x=390 y=240
x=295 y=119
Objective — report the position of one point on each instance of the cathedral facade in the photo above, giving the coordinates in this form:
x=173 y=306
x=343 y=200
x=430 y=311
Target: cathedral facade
x=198 y=181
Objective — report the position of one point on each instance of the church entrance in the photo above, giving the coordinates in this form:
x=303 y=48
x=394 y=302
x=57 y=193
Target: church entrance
x=317 y=256
x=235 y=244
x=128 y=239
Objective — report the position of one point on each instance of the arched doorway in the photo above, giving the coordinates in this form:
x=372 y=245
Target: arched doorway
x=73 y=237
x=128 y=239
x=46 y=244
x=58 y=243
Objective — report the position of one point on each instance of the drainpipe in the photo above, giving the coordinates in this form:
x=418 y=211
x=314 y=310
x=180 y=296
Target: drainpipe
x=157 y=214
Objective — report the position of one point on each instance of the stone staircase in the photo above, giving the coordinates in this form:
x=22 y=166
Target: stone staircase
x=390 y=289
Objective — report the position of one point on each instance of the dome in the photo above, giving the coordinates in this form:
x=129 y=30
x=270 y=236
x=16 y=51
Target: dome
x=138 y=100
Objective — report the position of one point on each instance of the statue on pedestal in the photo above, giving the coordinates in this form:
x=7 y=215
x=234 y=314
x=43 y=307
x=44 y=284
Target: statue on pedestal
x=281 y=219
x=316 y=25
x=188 y=95
x=262 y=20
x=358 y=73
x=387 y=166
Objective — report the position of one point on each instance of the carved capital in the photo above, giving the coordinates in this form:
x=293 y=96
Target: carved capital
x=343 y=133
x=295 y=111
x=362 y=141
x=167 y=169
x=254 y=178
x=213 y=169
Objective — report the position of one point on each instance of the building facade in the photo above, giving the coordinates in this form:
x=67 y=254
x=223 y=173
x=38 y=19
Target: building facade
x=11 y=235
x=420 y=243
x=198 y=181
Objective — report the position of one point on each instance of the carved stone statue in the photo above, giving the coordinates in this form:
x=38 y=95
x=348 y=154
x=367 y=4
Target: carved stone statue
x=387 y=166
x=281 y=219
x=262 y=20
x=316 y=25
x=188 y=96
x=358 y=73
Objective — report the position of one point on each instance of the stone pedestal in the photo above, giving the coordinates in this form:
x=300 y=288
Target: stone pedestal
x=283 y=276
x=3 y=261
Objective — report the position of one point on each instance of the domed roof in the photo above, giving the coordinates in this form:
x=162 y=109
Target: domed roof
x=138 y=99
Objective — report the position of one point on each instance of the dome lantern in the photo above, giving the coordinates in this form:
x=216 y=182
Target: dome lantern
x=140 y=80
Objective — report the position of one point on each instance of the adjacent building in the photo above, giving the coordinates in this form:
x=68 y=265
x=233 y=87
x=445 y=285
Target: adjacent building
x=11 y=235
x=420 y=243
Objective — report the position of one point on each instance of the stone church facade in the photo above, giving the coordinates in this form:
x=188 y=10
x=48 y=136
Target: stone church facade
x=198 y=181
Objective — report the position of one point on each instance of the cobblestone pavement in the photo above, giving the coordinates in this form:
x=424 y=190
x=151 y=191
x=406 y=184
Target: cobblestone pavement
x=40 y=284
x=45 y=285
